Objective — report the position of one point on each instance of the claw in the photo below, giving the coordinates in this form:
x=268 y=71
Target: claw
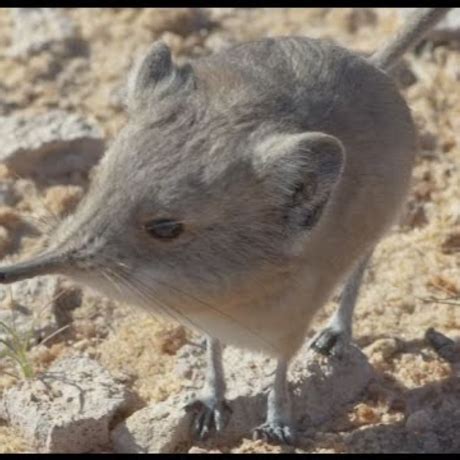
x=209 y=416
x=273 y=432
x=330 y=342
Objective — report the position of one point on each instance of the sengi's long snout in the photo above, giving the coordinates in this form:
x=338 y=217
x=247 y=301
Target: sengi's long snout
x=43 y=264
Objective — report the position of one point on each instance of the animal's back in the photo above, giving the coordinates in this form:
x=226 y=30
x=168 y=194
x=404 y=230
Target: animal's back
x=313 y=85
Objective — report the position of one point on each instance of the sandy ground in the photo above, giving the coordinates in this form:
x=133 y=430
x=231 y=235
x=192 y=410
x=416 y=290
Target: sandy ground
x=414 y=270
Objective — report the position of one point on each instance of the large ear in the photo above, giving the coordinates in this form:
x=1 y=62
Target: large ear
x=302 y=170
x=156 y=76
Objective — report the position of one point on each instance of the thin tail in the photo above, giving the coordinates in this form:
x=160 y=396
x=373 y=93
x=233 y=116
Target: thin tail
x=417 y=25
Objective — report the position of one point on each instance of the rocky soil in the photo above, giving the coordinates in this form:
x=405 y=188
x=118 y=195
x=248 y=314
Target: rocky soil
x=113 y=379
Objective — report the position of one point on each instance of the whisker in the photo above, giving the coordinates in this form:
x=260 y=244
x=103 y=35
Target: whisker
x=38 y=222
x=110 y=280
x=183 y=318
x=127 y=285
x=114 y=283
x=149 y=296
x=51 y=301
x=215 y=310
x=148 y=288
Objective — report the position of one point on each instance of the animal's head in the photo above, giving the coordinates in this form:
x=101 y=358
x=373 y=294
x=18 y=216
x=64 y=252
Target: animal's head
x=193 y=196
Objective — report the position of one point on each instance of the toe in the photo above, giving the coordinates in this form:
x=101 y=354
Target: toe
x=222 y=416
x=206 y=426
x=279 y=434
x=325 y=342
x=331 y=342
x=208 y=417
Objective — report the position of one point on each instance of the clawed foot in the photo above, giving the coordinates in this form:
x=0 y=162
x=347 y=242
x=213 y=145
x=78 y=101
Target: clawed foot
x=274 y=432
x=210 y=415
x=331 y=342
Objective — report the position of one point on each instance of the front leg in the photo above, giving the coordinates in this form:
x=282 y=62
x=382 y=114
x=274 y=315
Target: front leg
x=211 y=411
x=278 y=426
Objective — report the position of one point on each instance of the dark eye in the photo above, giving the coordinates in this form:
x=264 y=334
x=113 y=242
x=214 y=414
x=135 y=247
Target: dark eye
x=165 y=229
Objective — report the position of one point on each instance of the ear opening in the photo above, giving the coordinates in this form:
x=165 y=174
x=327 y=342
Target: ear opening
x=303 y=169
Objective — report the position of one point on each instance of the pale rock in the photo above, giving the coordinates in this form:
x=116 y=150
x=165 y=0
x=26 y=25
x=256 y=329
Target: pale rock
x=69 y=408
x=31 y=313
x=158 y=428
x=39 y=29
x=55 y=143
x=321 y=388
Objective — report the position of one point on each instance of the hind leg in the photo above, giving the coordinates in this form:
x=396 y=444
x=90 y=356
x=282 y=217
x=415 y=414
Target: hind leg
x=337 y=335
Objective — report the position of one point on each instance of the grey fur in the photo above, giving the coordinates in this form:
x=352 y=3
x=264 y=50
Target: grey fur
x=155 y=76
x=285 y=159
